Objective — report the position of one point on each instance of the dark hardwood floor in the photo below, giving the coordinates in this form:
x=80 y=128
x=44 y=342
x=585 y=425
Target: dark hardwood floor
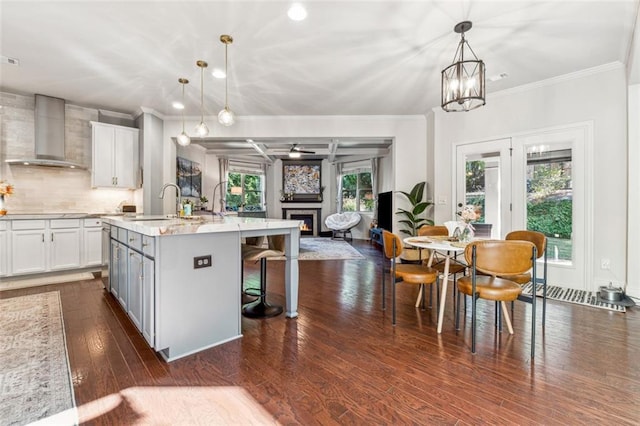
x=342 y=362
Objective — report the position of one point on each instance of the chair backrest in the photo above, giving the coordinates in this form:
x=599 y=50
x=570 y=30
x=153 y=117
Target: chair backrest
x=344 y=220
x=433 y=230
x=501 y=257
x=482 y=230
x=388 y=239
x=254 y=241
x=260 y=214
x=276 y=242
x=537 y=238
x=452 y=225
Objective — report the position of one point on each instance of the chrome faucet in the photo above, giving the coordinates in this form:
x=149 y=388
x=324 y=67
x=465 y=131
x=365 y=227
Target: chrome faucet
x=179 y=193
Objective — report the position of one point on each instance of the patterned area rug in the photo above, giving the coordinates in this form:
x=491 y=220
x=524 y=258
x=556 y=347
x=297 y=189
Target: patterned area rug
x=580 y=297
x=326 y=249
x=35 y=380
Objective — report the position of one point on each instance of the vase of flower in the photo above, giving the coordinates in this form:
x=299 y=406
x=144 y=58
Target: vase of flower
x=467 y=233
x=467 y=214
x=5 y=190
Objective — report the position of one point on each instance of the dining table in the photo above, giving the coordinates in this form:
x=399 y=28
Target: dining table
x=447 y=249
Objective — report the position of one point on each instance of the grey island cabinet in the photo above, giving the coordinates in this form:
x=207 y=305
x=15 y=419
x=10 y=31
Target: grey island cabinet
x=179 y=279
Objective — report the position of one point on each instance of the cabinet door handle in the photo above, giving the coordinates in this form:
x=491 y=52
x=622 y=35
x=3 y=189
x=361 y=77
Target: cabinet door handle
x=43 y=238
x=51 y=237
x=144 y=245
x=131 y=240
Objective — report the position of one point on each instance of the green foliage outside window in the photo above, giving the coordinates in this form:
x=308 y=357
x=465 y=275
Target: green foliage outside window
x=251 y=197
x=357 y=192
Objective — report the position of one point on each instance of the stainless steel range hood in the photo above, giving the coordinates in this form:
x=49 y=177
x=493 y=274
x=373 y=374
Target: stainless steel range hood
x=49 y=136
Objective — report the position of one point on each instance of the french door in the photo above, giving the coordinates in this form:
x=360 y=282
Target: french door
x=483 y=180
x=536 y=182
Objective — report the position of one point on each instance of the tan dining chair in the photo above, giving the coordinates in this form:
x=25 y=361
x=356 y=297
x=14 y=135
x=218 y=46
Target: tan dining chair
x=540 y=240
x=496 y=259
x=417 y=274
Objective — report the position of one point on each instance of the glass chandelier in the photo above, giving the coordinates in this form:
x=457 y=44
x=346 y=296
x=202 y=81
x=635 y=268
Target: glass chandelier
x=226 y=117
x=201 y=129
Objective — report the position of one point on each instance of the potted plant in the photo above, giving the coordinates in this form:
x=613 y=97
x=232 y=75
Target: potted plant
x=203 y=202
x=413 y=220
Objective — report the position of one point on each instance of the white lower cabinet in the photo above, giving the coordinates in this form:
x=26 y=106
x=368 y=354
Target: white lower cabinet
x=29 y=251
x=134 y=278
x=123 y=285
x=4 y=249
x=64 y=249
x=148 y=298
x=92 y=242
x=31 y=246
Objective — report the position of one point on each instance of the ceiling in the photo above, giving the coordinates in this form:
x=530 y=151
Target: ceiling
x=346 y=58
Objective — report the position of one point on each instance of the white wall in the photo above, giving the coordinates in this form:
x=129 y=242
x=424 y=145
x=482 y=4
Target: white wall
x=598 y=96
x=408 y=132
x=633 y=242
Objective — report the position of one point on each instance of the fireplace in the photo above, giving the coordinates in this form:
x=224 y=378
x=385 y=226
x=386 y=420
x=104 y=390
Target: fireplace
x=308 y=217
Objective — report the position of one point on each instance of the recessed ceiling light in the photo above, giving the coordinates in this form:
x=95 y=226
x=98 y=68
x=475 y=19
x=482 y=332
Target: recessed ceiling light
x=498 y=77
x=218 y=73
x=178 y=105
x=297 y=12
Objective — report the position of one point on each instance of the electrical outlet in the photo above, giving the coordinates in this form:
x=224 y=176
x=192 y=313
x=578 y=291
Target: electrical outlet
x=605 y=263
x=202 y=261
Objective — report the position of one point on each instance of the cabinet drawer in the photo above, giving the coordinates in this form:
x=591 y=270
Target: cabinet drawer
x=114 y=232
x=27 y=224
x=122 y=235
x=92 y=223
x=64 y=223
x=148 y=246
x=3 y=225
x=134 y=240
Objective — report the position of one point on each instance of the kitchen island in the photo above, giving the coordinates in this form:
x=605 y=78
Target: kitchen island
x=179 y=279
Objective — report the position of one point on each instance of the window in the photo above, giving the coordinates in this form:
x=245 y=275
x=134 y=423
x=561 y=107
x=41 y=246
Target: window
x=550 y=200
x=245 y=191
x=357 y=193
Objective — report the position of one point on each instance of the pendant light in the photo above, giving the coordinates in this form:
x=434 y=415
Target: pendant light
x=183 y=138
x=201 y=129
x=226 y=117
x=463 y=87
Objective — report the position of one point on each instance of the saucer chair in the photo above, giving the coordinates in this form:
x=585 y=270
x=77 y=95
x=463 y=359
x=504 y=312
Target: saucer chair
x=341 y=224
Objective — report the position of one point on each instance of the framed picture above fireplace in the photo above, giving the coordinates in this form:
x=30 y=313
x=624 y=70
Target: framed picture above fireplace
x=301 y=181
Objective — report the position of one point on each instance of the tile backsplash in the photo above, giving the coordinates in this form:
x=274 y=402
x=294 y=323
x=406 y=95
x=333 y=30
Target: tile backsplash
x=52 y=190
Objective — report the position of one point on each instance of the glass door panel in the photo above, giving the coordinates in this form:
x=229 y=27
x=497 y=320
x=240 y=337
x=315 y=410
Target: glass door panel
x=483 y=180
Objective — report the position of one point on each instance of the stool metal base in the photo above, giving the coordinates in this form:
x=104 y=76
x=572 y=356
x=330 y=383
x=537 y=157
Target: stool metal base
x=261 y=309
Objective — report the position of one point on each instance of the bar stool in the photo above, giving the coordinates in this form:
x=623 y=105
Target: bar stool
x=261 y=308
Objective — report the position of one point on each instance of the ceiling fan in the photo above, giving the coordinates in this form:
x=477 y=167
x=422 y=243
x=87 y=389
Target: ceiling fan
x=296 y=152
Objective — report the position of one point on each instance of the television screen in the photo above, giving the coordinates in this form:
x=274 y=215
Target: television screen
x=385 y=213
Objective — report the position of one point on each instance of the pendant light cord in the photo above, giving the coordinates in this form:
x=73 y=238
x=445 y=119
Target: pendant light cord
x=183 y=107
x=226 y=78
x=202 y=94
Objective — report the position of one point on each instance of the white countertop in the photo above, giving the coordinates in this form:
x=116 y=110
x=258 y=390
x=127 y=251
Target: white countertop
x=158 y=226
x=31 y=216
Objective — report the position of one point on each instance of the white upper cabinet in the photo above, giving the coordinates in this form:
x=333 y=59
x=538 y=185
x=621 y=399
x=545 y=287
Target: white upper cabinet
x=115 y=162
